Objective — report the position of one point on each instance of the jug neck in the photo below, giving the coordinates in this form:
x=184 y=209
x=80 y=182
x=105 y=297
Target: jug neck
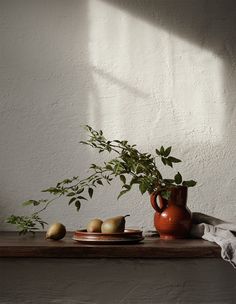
x=178 y=196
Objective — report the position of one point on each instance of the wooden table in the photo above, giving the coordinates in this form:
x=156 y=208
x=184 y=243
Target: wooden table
x=13 y=245
x=39 y=271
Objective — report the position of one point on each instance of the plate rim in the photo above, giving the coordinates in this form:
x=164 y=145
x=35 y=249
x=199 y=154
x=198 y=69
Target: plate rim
x=108 y=241
x=128 y=236
x=127 y=232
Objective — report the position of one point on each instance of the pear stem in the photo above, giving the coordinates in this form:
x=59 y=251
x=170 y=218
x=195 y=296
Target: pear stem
x=127 y=215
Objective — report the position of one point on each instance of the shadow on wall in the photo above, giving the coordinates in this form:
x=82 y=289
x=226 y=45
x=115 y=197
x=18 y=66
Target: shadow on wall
x=210 y=25
x=44 y=52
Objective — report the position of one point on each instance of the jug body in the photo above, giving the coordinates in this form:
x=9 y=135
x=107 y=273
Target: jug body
x=172 y=218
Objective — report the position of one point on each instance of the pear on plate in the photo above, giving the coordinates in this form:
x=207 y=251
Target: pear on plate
x=94 y=225
x=114 y=224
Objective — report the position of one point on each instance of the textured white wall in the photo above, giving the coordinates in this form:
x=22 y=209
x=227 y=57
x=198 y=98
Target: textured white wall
x=152 y=72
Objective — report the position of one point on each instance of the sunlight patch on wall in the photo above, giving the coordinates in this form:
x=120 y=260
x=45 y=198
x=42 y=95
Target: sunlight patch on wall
x=197 y=103
x=148 y=79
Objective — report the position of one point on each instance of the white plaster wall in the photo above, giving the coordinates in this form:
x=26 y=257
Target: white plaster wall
x=153 y=72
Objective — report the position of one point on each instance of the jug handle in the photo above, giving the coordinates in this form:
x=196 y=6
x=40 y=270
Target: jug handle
x=153 y=200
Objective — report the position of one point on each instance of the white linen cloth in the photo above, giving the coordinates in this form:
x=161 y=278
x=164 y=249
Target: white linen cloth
x=215 y=230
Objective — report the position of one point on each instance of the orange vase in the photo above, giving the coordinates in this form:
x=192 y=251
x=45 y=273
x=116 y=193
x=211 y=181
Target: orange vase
x=172 y=219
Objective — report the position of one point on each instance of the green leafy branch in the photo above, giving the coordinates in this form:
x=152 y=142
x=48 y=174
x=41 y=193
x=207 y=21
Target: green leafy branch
x=26 y=223
x=130 y=165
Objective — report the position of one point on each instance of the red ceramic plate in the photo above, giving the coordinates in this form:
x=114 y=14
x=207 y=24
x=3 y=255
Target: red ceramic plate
x=128 y=236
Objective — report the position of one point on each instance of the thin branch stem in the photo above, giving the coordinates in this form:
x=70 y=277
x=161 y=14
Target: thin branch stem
x=46 y=205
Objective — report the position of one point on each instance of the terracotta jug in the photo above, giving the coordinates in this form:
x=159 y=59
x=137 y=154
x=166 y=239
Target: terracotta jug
x=172 y=218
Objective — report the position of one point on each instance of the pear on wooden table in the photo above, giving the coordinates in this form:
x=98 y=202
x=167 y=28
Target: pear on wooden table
x=56 y=232
x=114 y=224
x=94 y=225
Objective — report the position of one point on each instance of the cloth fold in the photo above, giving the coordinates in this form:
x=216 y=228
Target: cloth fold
x=215 y=230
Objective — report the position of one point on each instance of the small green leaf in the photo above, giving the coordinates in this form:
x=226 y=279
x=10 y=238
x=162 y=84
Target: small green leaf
x=122 y=193
x=123 y=179
x=90 y=192
x=166 y=194
x=134 y=180
x=31 y=202
x=174 y=160
x=80 y=191
x=162 y=151
x=167 y=151
x=158 y=152
x=100 y=182
x=169 y=181
x=169 y=163
x=83 y=142
x=72 y=200
x=117 y=169
x=88 y=128
x=178 y=178
x=109 y=167
x=51 y=190
x=163 y=160
x=128 y=187
x=143 y=187
x=190 y=183
x=82 y=197
x=42 y=224
x=67 y=181
x=139 y=169
x=77 y=205
x=71 y=194
x=42 y=201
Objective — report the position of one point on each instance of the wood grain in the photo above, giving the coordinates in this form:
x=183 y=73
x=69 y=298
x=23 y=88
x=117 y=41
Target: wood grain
x=13 y=245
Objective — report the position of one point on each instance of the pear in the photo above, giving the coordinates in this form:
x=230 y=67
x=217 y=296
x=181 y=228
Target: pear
x=114 y=224
x=94 y=225
x=56 y=232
